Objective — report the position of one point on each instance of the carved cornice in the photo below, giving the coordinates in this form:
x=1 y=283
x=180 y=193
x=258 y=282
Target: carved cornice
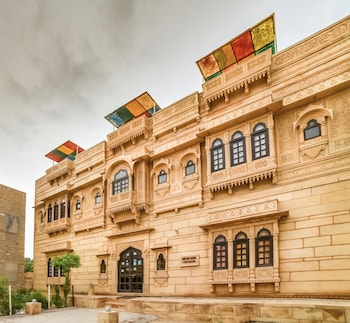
x=62 y=246
x=312 y=45
x=255 y=211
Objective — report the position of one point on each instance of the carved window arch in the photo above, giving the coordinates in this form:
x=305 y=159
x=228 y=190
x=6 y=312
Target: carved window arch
x=312 y=129
x=49 y=213
x=264 y=248
x=49 y=268
x=103 y=267
x=63 y=208
x=78 y=205
x=98 y=198
x=121 y=182
x=55 y=211
x=162 y=177
x=260 y=141
x=220 y=256
x=161 y=262
x=190 y=168
x=238 y=150
x=217 y=153
x=241 y=251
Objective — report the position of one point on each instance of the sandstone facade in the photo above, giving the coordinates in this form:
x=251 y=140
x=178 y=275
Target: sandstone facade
x=242 y=189
x=12 y=229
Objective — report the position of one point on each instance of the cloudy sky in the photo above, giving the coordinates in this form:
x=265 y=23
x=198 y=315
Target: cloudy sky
x=65 y=64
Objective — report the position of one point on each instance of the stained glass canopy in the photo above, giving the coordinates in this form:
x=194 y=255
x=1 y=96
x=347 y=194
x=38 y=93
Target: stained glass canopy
x=66 y=150
x=251 y=42
x=143 y=104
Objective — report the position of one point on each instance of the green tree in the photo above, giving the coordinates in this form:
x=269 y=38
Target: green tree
x=28 y=265
x=66 y=262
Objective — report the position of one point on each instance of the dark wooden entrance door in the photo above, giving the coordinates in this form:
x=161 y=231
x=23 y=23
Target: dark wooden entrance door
x=130 y=271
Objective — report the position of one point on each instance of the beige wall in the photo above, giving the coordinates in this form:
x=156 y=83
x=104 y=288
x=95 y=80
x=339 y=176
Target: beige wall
x=299 y=192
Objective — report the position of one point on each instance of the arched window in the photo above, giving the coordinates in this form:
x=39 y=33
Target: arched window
x=103 y=267
x=312 y=130
x=98 y=198
x=241 y=251
x=55 y=211
x=49 y=213
x=162 y=177
x=220 y=253
x=190 y=168
x=49 y=268
x=260 y=141
x=161 y=262
x=264 y=248
x=121 y=182
x=78 y=205
x=55 y=271
x=63 y=208
x=62 y=273
x=238 y=152
x=217 y=155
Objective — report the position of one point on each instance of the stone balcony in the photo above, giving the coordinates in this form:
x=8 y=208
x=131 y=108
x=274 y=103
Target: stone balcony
x=59 y=225
x=238 y=76
x=177 y=115
x=244 y=174
x=128 y=132
x=60 y=170
x=90 y=158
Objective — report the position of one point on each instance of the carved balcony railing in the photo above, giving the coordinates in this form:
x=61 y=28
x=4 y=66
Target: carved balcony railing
x=128 y=132
x=59 y=225
x=60 y=170
x=239 y=76
x=90 y=158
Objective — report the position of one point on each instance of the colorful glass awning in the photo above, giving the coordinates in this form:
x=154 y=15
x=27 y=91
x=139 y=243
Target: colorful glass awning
x=67 y=150
x=253 y=41
x=143 y=104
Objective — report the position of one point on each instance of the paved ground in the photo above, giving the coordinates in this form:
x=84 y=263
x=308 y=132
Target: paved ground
x=74 y=314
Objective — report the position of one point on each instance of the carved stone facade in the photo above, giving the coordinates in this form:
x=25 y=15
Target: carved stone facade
x=242 y=189
x=12 y=229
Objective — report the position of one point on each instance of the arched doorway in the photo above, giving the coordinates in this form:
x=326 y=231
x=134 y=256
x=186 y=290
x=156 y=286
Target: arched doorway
x=130 y=271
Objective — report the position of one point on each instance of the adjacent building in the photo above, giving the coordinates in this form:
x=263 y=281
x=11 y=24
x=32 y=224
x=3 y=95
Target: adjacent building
x=12 y=230
x=242 y=189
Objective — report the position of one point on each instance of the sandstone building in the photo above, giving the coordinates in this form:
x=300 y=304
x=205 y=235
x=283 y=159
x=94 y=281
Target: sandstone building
x=242 y=189
x=12 y=229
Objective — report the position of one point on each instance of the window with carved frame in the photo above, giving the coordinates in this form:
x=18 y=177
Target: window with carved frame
x=312 y=130
x=241 y=251
x=264 y=248
x=162 y=177
x=220 y=256
x=260 y=141
x=63 y=208
x=190 y=168
x=217 y=153
x=55 y=211
x=121 y=182
x=238 y=151
x=49 y=213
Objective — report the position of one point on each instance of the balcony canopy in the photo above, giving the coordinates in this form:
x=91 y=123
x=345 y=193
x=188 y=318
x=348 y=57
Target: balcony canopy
x=66 y=150
x=143 y=104
x=251 y=42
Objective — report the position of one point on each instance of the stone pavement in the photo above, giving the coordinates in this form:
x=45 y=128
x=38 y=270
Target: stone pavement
x=75 y=314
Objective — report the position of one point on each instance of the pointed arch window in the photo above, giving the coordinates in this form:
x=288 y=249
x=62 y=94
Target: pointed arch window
x=49 y=268
x=78 y=205
x=260 y=141
x=55 y=211
x=264 y=248
x=238 y=151
x=63 y=208
x=49 y=213
x=241 y=251
x=312 y=130
x=98 y=198
x=217 y=155
x=103 y=267
x=161 y=262
x=162 y=177
x=220 y=253
x=190 y=168
x=121 y=182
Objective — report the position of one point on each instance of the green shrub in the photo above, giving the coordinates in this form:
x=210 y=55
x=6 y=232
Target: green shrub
x=56 y=298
